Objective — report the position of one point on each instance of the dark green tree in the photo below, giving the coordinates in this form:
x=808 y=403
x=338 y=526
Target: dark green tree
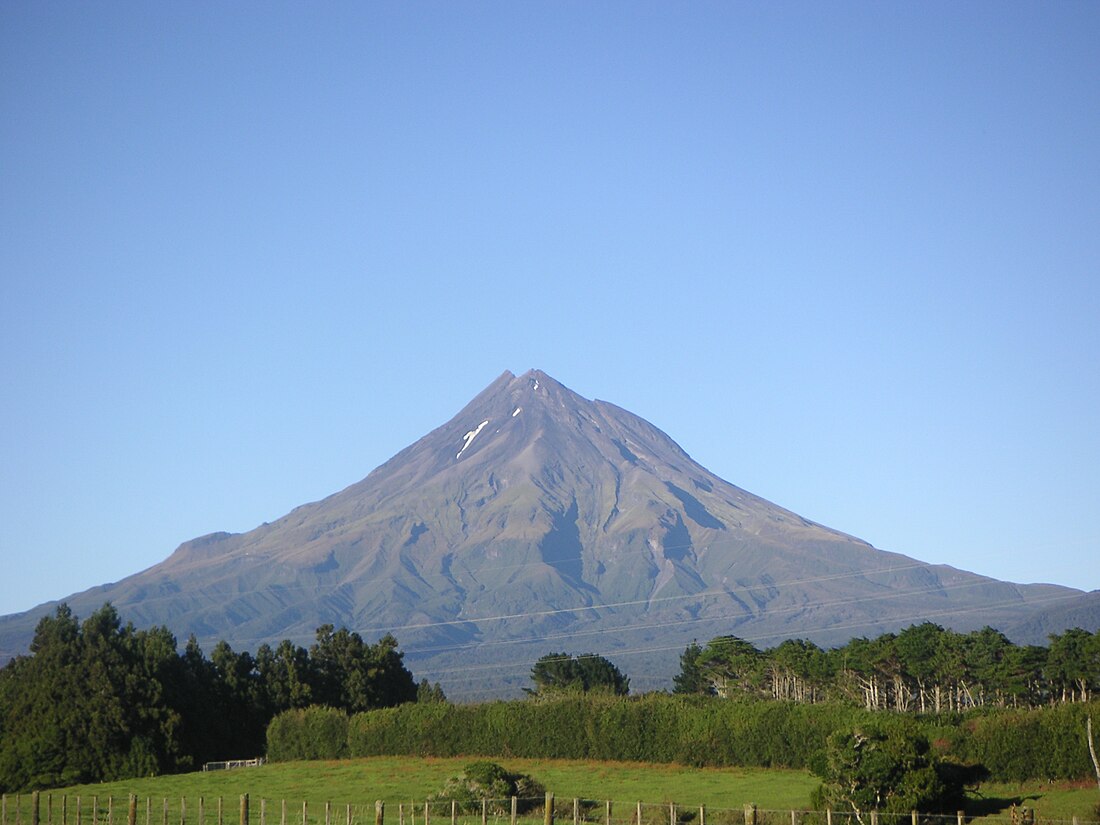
x=556 y=672
x=691 y=679
x=427 y=692
x=892 y=771
x=731 y=665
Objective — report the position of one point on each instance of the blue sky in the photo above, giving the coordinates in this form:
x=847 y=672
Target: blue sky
x=846 y=254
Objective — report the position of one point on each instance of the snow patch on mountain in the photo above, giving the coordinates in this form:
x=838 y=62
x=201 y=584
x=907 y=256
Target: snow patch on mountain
x=468 y=439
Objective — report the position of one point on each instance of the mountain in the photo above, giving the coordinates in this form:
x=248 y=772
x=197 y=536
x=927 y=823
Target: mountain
x=537 y=520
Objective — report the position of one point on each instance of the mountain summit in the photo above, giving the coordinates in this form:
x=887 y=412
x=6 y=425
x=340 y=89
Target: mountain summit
x=537 y=520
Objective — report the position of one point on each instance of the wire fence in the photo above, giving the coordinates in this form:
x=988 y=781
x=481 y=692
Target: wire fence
x=55 y=809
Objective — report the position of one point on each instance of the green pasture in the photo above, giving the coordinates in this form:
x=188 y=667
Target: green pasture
x=350 y=787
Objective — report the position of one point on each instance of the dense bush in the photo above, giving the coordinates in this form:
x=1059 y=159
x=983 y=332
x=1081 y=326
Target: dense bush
x=310 y=733
x=489 y=782
x=1013 y=745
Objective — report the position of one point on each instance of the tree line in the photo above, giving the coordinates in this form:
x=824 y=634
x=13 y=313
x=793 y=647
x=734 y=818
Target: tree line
x=924 y=668
x=98 y=700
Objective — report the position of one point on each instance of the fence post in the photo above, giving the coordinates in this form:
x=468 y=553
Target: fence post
x=874 y=817
x=515 y=809
x=3 y=809
x=328 y=811
x=78 y=810
x=485 y=811
x=220 y=815
x=961 y=815
x=639 y=806
x=548 y=815
x=183 y=810
x=702 y=815
x=148 y=812
x=794 y=817
x=576 y=811
x=379 y=812
x=305 y=813
x=400 y=813
x=263 y=811
x=202 y=811
x=828 y=816
x=34 y=808
x=607 y=812
x=454 y=812
x=671 y=813
x=65 y=809
x=282 y=812
x=427 y=819
x=750 y=815
x=131 y=810
x=244 y=809
x=49 y=808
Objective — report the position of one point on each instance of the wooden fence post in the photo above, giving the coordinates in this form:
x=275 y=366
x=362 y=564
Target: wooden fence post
x=750 y=815
x=3 y=809
x=263 y=811
x=49 y=808
x=607 y=812
x=202 y=811
x=961 y=815
x=220 y=814
x=148 y=811
x=379 y=812
x=702 y=815
x=183 y=810
x=65 y=810
x=639 y=806
x=34 y=808
x=828 y=816
x=576 y=811
x=484 y=811
x=515 y=809
x=794 y=817
x=427 y=820
x=244 y=809
x=131 y=810
x=282 y=812
x=548 y=814
x=874 y=817
x=671 y=813
x=305 y=813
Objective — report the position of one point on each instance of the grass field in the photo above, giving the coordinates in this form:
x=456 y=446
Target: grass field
x=352 y=786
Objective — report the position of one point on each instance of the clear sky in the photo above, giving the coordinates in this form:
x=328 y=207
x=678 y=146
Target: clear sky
x=846 y=254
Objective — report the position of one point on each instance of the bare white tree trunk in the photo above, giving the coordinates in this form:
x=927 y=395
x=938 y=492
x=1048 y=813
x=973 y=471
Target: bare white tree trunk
x=1092 y=751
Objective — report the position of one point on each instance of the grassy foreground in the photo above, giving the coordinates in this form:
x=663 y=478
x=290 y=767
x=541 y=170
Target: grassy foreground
x=354 y=785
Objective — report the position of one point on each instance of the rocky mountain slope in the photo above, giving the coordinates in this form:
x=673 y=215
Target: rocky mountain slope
x=537 y=520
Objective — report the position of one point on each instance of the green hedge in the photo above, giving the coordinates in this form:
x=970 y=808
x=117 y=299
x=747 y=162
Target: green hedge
x=312 y=733
x=1013 y=745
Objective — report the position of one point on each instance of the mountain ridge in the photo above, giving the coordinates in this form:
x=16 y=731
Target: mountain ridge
x=532 y=518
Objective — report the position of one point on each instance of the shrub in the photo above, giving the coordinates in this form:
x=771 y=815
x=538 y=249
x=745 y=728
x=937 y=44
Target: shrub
x=311 y=733
x=489 y=782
